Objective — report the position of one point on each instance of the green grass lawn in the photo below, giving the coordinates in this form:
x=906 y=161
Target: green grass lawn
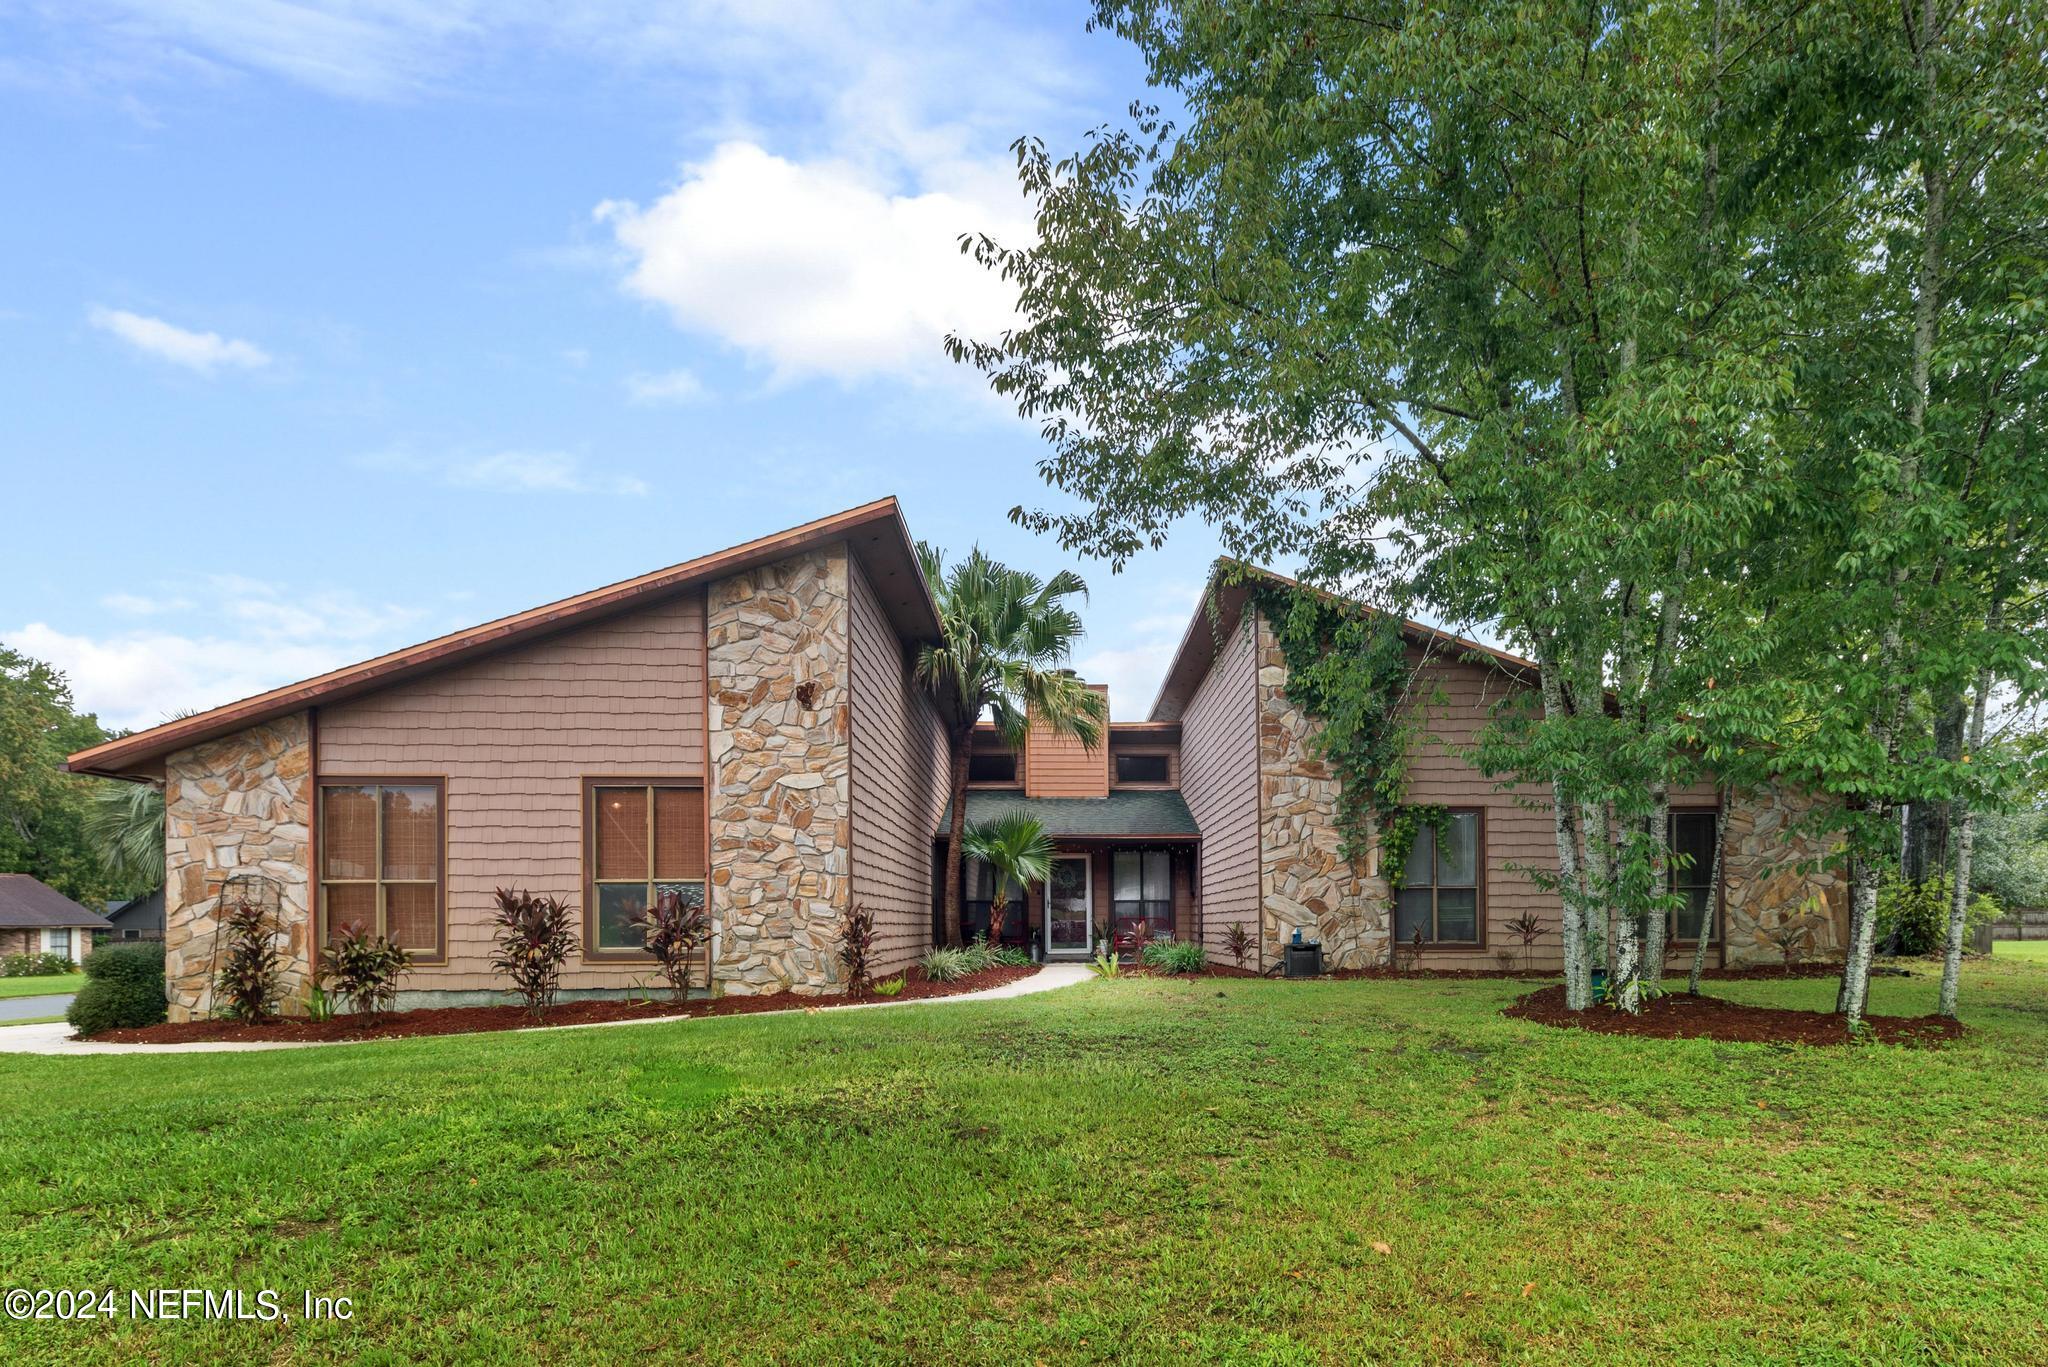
x=31 y=1020
x=37 y=987
x=1138 y=1171
x=2034 y=950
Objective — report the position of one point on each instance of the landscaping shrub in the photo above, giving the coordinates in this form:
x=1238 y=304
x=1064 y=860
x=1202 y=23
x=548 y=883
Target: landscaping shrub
x=980 y=954
x=1238 y=941
x=1174 y=956
x=364 y=969
x=856 y=946
x=1105 y=965
x=1011 y=957
x=251 y=970
x=38 y=965
x=675 y=928
x=944 y=965
x=124 y=989
x=534 y=941
x=891 y=986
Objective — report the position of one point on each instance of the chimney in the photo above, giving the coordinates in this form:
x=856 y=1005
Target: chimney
x=1057 y=765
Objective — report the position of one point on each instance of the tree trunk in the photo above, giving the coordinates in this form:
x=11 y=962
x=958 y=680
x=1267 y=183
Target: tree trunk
x=1656 y=920
x=1571 y=885
x=956 y=831
x=1699 y=950
x=1855 y=990
x=1966 y=840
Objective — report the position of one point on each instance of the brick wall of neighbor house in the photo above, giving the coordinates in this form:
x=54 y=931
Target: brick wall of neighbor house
x=21 y=942
x=1057 y=765
x=239 y=804
x=780 y=711
x=1219 y=774
x=898 y=785
x=515 y=735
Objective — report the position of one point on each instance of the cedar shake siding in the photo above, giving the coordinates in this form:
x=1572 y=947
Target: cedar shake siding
x=1219 y=774
x=514 y=736
x=899 y=786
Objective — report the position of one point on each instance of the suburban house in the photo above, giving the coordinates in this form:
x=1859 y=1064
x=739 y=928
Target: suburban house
x=138 y=918
x=35 y=918
x=744 y=728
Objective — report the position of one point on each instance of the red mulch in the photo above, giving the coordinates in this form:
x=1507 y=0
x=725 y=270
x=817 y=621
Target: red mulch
x=463 y=1020
x=1816 y=970
x=1679 y=1016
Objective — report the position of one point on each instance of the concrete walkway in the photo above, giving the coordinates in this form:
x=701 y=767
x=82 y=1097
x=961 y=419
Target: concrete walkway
x=55 y=1038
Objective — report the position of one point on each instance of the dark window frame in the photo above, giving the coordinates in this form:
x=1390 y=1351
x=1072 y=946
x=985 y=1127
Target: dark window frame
x=1478 y=885
x=1016 y=775
x=1165 y=758
x=1120 y=919
x=439 y=783
x=1719 y=892
x=592 y=951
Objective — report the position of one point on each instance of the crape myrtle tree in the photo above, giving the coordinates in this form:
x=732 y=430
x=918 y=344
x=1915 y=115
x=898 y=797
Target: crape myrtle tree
x=1483 y=311
x=1005 y=638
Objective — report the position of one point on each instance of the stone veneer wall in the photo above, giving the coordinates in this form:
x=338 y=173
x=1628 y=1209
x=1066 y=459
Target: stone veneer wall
x=240 y=804
x=780 y=770
x=1304 y=879
x=1765 y=887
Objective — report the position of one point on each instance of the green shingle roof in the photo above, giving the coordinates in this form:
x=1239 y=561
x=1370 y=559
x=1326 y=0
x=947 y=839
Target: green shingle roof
x=1125 y=812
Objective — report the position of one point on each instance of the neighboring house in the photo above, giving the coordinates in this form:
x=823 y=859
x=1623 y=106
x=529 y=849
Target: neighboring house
x=37 y=919
x=744 y=728
x=141 y=918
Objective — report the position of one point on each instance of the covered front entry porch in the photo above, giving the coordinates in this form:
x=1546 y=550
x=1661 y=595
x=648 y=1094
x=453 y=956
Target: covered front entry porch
x=1108 y=886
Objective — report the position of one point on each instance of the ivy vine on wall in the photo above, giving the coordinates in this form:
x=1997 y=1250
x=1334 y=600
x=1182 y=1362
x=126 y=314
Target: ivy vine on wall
x=1348 y=668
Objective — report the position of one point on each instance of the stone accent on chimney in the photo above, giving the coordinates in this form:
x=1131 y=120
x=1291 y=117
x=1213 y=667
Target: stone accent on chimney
x=781 y=771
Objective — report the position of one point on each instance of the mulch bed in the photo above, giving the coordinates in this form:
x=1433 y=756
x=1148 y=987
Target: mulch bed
x=1815 y=970
x=463 y=1020
x=1679 y=1016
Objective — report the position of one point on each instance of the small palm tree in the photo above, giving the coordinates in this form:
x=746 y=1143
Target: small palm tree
x=1018 y=853
x=125 y=823
x=1005 y=637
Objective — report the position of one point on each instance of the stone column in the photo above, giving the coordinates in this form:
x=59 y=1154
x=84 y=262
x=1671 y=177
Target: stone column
x=1304 y=879
x=1773 y=901
x=781 y=769
x=240 y=804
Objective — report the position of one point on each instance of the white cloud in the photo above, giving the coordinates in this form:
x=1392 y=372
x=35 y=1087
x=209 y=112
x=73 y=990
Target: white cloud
x=1135 y=668
x=139 y=678
x=509 y=472
x=812 y=269
x=138 y=605
x=670 y=386
x=204 y=352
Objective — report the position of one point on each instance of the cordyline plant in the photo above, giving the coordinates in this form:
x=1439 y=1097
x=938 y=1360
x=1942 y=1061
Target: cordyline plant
x=534 y=941
x=363 y=969
x=857 y=948
x=1238 y=941
x=674 y=929
x=247 y=986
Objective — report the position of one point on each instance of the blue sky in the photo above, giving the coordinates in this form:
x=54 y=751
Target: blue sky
x=329 y=328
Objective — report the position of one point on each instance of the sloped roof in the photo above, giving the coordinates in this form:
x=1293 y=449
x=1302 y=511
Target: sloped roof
x=29 y=904
x=875 y=532
x=1223 y=603
x=1127 y=813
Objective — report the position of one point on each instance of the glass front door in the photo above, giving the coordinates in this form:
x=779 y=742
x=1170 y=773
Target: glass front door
x=1068 y=913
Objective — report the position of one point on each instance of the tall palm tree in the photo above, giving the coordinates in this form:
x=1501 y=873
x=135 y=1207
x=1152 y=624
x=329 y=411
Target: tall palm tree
x=1018 y=853
x=125 y=823
x=1005 y=637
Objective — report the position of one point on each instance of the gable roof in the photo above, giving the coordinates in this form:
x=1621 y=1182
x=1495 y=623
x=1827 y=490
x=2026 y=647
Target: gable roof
x=875 y=532
x=1227 y=592
x=28 y=904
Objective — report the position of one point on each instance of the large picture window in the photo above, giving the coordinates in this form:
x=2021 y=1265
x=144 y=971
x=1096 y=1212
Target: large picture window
x=645 y=839
x=1692 y=872
x=1141 y=889
x=1440 y=897
x=381 y=861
